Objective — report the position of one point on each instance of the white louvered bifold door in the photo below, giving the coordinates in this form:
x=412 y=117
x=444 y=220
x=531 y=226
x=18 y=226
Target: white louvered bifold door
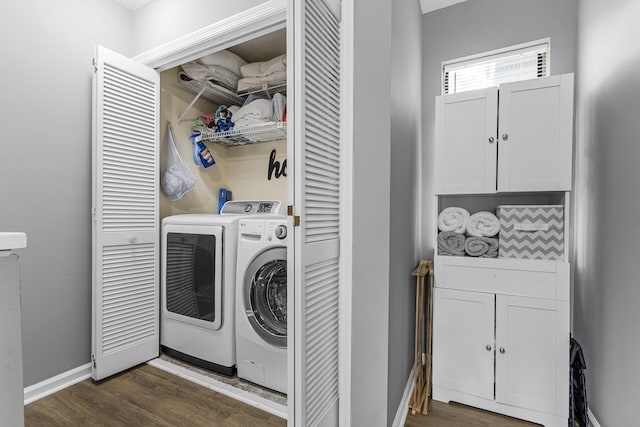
x=316 y=194
x=125 y=214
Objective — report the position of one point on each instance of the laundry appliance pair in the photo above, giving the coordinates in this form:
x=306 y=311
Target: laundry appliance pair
x=224 y=291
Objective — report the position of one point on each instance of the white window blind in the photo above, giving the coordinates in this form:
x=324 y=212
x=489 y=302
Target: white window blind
x=492 y=68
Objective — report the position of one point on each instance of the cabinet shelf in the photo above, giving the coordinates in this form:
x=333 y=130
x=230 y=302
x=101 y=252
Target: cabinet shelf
x=270 y=131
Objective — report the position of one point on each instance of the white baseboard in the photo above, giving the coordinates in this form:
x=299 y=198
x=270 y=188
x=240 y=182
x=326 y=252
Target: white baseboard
x=592 y=419
x=222 y=388
x=403 y=408
x=57 y=383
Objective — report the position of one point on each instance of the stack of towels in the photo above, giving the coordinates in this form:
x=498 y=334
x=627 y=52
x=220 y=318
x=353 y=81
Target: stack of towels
x=464 y=234
x=259 y=74
x=220 y=68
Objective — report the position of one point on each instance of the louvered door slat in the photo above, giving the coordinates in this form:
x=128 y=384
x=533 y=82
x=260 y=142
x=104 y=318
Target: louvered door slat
x=316 y=177
x=125 y=202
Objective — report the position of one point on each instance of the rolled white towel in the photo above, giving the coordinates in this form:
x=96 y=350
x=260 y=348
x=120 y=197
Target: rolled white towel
x=483 y=224
x=453 y=219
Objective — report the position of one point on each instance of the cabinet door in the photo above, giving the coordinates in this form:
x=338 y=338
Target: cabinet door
x=463 y=341
x=466 y=147
x=535 y=134
x=532 y=357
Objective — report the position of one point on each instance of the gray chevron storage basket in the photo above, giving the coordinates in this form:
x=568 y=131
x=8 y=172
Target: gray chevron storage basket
x=531 y=231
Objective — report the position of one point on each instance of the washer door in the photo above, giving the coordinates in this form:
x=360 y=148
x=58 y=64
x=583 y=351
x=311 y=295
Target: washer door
x=265 y=296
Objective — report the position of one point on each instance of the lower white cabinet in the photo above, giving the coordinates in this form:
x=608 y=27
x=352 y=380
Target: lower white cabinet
x=503 y=352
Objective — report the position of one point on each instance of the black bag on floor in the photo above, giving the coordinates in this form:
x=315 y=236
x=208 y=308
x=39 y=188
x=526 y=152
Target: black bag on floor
x=578 y=387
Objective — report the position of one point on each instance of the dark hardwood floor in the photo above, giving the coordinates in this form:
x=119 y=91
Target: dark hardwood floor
x=147 y=396
x=455 y=415
x=144 y=396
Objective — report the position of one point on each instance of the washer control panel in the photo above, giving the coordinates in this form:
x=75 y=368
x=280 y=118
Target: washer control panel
x=261 y=231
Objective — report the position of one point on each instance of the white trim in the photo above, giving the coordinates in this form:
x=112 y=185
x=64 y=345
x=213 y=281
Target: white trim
x=54 y=384
x=592 y=419
x=222 y=388
x=249 y=24
x=346 y=213
x=403 y=408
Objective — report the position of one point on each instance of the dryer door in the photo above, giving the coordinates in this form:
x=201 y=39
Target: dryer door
x=265 y=296
x=192 y=274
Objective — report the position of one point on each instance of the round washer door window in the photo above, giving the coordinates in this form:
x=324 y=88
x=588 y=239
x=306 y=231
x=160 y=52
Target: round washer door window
x=265 y=296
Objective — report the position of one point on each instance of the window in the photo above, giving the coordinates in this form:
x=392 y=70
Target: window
x=522 y=62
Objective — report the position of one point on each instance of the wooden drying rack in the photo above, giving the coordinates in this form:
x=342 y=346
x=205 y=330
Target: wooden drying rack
x=424 y=320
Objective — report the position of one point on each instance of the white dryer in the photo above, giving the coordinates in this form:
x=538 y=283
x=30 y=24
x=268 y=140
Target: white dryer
x=198 y=262
x=261 y=301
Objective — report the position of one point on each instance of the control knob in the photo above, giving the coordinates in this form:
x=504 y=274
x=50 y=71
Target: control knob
x=281 y=231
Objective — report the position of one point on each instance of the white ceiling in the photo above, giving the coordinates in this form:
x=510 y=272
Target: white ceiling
x=431 y=5
x=426 y=5
x=133 y=5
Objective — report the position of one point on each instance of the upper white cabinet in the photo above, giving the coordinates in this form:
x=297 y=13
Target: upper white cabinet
x=516 y=137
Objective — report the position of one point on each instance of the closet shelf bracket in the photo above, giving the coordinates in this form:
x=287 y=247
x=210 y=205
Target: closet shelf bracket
x=204 y=87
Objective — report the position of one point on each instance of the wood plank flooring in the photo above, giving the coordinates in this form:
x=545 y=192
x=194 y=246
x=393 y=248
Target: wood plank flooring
x=455 y=415
x=144 y=396
x=147 y=396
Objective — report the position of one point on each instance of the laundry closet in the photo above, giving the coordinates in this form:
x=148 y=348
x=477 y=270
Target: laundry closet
x=144 y=108
x=241 y=163
x=225 y=139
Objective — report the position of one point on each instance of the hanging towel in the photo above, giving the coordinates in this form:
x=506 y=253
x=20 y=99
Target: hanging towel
x=483 y=224
x=451 y=243
x=453 y=219
x=483 y=247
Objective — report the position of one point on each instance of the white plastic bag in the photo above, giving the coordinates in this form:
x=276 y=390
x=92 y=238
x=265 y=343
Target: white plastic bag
x=175 y=177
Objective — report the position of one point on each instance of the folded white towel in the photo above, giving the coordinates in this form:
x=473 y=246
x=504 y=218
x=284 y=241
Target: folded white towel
x=262 y=69
x=256 y=112
x=483 y=224
x=453 y=219
x=220 y=75
x=226 y=59
x=248 y=83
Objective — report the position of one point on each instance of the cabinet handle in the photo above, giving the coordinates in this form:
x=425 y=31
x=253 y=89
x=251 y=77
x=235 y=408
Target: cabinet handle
x=491 y=139
x=502 y=350
x=488 y=347
x=505 y=136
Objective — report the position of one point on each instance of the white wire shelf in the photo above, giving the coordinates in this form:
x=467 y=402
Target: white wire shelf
x=270 y=131
x=214 y=93
x=266 y=88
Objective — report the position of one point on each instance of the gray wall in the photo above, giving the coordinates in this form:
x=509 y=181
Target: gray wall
x=477 y=26
x=406 y=102
x=371 y=187
x=607 y=292
x=45 y=165
x=165 y=20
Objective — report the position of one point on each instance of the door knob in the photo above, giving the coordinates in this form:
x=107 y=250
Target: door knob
x=488 y=347
x=505 y=136
x=491 y=139
x=502 y=350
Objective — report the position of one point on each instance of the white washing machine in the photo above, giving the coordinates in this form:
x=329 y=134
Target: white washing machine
x=198 y=262
x=261 y=301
